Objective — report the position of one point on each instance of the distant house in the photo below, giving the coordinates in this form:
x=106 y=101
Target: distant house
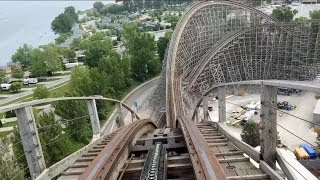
x=150 y=26
x=309 y=1
x=165 y=25
x=80 y=55
x=13 y=65
x=5 y=69
x=144 y=17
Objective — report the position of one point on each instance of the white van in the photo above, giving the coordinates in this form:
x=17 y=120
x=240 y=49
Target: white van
x=5 y=87
x=30 y=81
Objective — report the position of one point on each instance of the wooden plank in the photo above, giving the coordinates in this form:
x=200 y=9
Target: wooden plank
x=250 y=151
x=228 y=153
x=248 y=177
x=268 y=170
x=240 y=159
x=217 y=144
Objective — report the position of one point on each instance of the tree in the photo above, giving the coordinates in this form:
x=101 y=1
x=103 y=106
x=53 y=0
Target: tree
x=63 y=22
x=52 y=58
x=141 y=50
x=41 y=92
x=9 y=166
x=284 y=13
x=71 y=11
x=96 y=48
x=98 y=5
x=62 y=38
x=69 y=54
x=15 y=87
x=315 y=14
x=162 y=45
x=301 y=20
x=79 y=129
x=250 y=134
x=23 y=55
x=55 y=144
x=38 y=66
x=17 y=73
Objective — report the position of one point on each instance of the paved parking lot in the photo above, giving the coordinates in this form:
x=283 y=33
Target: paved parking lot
x=305 y=106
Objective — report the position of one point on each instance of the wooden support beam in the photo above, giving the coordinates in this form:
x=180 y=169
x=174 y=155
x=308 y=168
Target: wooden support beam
x=248 y=177
x=222 y=103
x=230 y=160
x=30 y=141
x=268 y=136
x=120 y=120
x=205 y=107
x=94 y=118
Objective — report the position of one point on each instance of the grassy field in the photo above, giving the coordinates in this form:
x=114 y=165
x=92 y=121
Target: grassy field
x=14 y=123
x=4 y=134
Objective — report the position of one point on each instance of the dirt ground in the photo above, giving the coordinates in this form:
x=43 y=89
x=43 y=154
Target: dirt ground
x=305 y=106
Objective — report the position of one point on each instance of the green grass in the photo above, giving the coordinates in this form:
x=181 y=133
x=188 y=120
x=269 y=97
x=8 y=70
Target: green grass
x=14 y=123
x=4 y=134
x=59 y=91
x=62 y=74
x=54 y=92
x=2 y=98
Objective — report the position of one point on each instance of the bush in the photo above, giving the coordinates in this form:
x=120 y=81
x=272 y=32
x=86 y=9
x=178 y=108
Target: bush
x=15 y=87
x=250 y=134
x=41 y=92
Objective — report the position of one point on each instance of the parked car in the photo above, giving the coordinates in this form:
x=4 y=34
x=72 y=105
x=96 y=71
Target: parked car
x=30 y=81
x=311 y=152
x=5 y=87
x=301 y=154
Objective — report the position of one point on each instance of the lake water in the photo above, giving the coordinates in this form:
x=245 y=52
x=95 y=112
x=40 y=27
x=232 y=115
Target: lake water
x=30 y=22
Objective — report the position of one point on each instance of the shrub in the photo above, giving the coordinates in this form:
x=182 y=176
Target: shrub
x=250 y=134
x=16 y=87
x=41 y=92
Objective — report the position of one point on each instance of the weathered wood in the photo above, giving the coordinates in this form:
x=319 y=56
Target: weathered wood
x=268 y=136
x=273 y=175
x=30 y=141
x=250 y=151
x=248 y=177
x=120 y=120
x=94 y=118
x=205 y=107
x=229 y=160
x=222 y=103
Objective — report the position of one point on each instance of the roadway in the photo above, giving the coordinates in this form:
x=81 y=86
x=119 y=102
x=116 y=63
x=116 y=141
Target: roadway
x=29 y=92
x=140 y=94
